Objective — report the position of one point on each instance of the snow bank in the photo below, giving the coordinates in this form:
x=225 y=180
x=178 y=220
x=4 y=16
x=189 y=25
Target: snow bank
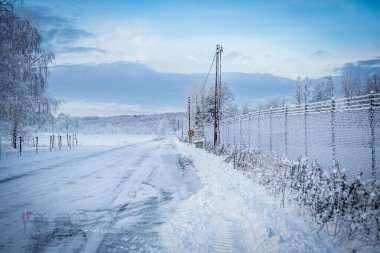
x=233 y=214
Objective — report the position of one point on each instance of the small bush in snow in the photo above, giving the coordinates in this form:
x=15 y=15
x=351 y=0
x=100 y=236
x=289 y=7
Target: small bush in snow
x=347 y=209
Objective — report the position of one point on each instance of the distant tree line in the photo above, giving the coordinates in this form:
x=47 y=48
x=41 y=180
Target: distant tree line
x=24 y=103
x=352 y=84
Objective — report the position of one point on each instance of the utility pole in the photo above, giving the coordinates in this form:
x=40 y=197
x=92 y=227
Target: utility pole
x=218 y=84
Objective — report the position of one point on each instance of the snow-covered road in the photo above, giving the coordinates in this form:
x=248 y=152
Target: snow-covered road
x=144 y=197
x=102 y=199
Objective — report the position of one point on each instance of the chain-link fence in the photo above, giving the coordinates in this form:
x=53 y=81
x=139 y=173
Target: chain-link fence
x=342 y=131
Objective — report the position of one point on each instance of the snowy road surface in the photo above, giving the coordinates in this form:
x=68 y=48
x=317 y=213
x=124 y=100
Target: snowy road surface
x=141 y=197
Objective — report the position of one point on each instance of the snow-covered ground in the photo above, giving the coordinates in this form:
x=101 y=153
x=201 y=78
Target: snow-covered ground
x=230 y=213
x=140 y=194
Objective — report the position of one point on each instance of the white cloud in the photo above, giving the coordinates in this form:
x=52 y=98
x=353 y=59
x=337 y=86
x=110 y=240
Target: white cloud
x=133 y=41
x=121 y=40
x=87 y=108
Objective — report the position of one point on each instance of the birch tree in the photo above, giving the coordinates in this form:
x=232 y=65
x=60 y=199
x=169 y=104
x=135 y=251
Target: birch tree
x=305 y=91
x=298 y=91
x=23 y=73
x=351 y=85
x=323 y=90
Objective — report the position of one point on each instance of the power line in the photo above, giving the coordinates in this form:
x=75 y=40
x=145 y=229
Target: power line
x=204 y=83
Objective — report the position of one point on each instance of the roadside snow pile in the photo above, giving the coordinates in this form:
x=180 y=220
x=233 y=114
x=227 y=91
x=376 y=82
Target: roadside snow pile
x=233 y=214
x=348 y=210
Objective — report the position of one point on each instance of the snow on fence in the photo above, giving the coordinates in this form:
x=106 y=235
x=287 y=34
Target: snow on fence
x=342 y=131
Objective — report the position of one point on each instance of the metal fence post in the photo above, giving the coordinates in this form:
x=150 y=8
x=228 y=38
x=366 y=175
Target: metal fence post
x=270 y=131
x=241 y=142
x=286 y=130
x=333 y=131
x=233 y=130
x=305 y=128
x=258 y=131
x=20 y=146
x=372 y=142
x=249 y=130
x=36 y=144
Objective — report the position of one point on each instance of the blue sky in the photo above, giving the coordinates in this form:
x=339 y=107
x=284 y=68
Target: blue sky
x=282 y=38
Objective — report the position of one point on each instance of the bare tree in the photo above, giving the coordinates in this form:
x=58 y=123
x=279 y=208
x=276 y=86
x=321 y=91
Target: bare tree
x=372 y=83
x=197 y=108
x=306 y=90
x=323 y=90
x=246 y=107
x=203 y=106
x=23 y=73
x=227 y=104
x=275 y=101
x=351 y=84
x=298 y=91
x=330 y=87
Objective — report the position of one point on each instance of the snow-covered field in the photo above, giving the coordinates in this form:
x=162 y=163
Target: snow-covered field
x=144 y=194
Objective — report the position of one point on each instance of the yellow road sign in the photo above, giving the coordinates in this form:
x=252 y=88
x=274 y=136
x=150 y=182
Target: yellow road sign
x=191 y=133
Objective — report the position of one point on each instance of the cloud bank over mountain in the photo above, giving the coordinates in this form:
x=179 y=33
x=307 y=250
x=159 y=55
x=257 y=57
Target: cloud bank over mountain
x=133 y=88
x=147 y=90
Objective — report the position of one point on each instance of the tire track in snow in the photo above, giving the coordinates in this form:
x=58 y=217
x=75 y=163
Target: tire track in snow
x=54 y=181
x=134 y=225
x=145 y=210
x=64 y=163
